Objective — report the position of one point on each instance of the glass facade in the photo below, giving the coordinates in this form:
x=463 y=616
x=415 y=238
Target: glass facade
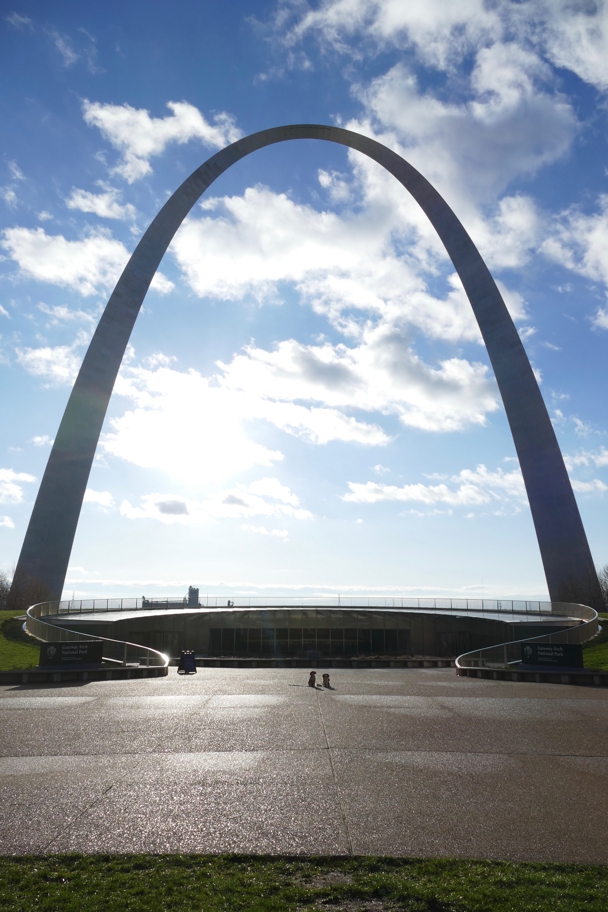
x=300 y=641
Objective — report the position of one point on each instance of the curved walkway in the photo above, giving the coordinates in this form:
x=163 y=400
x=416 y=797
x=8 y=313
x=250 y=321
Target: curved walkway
x=141 y=660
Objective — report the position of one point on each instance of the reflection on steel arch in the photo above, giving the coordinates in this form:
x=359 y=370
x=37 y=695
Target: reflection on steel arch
x=561 y=537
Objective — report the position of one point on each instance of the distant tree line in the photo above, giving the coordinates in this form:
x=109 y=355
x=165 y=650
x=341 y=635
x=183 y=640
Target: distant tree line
x=602 y=575
x=18 y=592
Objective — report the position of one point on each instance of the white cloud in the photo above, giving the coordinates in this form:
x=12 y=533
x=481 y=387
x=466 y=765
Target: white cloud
x=472 y=150
x=579 y=242
x=9 y=196
x=442 y=33
x=18 y=21
x=600 y=320
x=102 y=498
x=338 y=185
x=58 y=365
x=590 y=487
x=43 y=440
x=10 y=491
x=4 y=312
x=575 y=37
x=105 y=205
x=597 y=458
x=59 y=313
x=139 y=137
x=16 y=171
x=172 y=408
x=283 y=534
x=267 y=497
x=382 y=374
x=6 y=522
x=479 y=487
x=63 y=44
x=88 y=266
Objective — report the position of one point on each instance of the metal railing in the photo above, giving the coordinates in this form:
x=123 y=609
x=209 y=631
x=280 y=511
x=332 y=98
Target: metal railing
x=115 y=652
x=448 y=605
x=508 y=655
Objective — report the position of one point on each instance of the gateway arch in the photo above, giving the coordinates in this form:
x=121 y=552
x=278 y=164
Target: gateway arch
x=565 y=553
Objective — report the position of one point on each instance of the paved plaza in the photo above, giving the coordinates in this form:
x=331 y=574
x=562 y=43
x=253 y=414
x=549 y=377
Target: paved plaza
x=391 y=761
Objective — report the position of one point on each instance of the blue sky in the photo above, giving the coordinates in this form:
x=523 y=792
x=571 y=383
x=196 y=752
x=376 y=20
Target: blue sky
x=306 y=405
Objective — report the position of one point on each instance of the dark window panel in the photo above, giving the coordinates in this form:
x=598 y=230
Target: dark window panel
x=215 y=640
x=404 y=642
x=364 y=642
x=377 y=642
x=391 y=642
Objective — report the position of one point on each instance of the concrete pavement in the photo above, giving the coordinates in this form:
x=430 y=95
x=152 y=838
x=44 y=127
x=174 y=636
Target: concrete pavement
x=392 y=761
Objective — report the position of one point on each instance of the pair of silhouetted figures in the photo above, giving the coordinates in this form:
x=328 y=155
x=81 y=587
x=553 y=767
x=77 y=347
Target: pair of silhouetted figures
x=312 y=680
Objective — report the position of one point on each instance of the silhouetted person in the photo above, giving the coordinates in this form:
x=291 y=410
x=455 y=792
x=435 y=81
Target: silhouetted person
x=325 y=680
x=312 y=681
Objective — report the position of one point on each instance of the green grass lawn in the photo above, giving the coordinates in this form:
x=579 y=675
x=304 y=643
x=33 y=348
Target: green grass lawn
x=596 y=654
x=17 y=649
x=190 y=883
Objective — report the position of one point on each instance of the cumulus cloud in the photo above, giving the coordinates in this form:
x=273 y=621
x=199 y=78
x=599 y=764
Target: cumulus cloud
x=139 y=136
x=478 y=488
x=472 y=150
x=575 y=37
x=589 y=487
x=442 y=34
x=43 y=440
x=89 y=266
x=282 y=534
x=59 y=314
x=6 y=522
x=105 y=205
x=345 y=266
x=103 y=499
x=57 y=365
x=579 y=242
x=184 y=425
x=587 y=458
x=266 y=497
x=11 y=490
x=382 y=374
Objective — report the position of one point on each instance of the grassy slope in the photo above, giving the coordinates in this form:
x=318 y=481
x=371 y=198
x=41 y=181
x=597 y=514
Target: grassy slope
x=155 y=883
x=17 y=650
x=596 y=655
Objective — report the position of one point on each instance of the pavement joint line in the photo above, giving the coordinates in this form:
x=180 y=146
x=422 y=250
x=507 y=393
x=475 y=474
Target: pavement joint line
x=308 y=750
x=351 y=850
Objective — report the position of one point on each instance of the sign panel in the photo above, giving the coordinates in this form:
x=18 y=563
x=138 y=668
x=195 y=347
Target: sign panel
x=564 y=655
x=187 y=662
x=72 y=653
